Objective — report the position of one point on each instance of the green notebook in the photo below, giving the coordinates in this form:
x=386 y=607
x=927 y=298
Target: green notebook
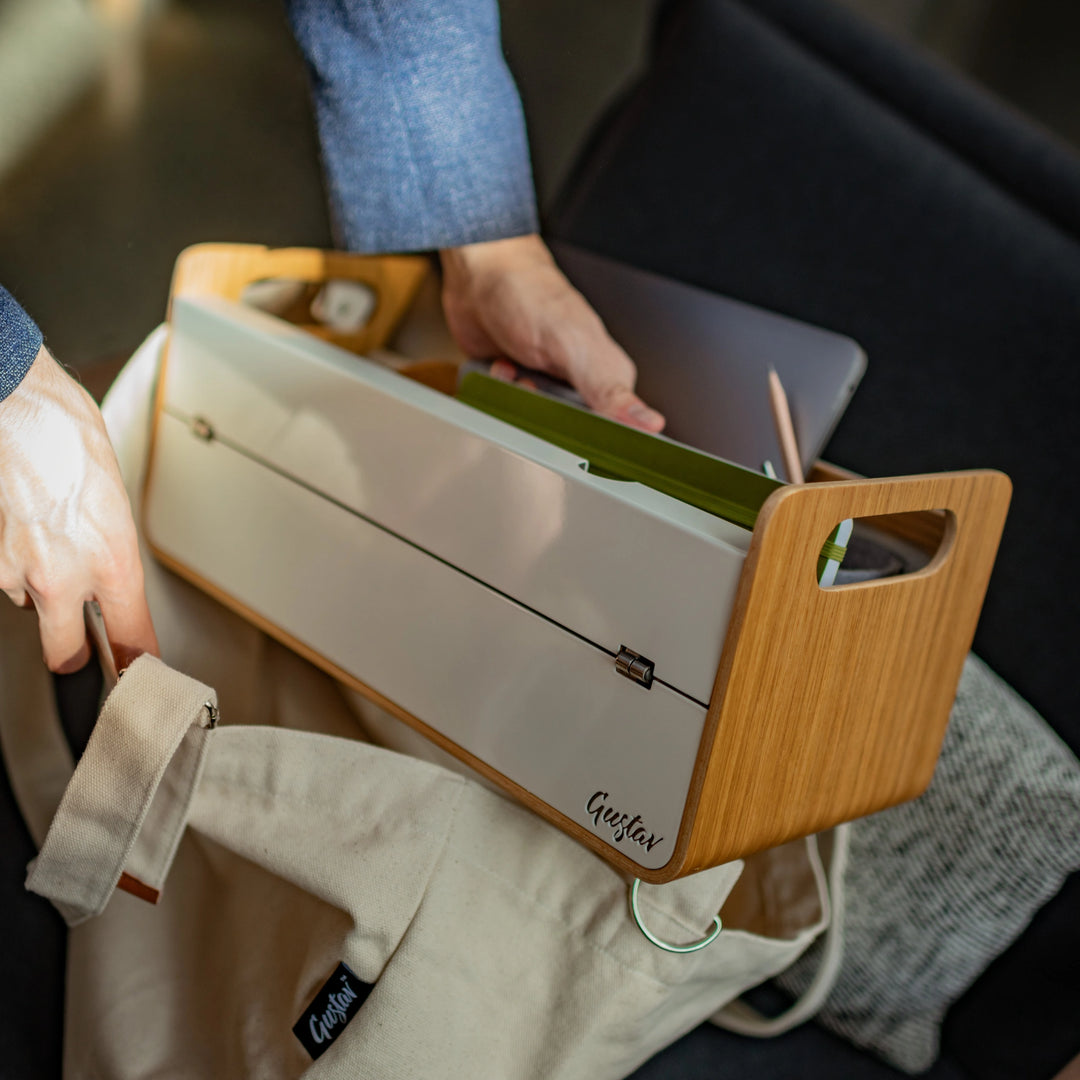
x=618 y=452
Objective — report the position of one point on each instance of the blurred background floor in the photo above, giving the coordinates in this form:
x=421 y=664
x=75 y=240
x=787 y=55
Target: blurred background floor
x=131 y=128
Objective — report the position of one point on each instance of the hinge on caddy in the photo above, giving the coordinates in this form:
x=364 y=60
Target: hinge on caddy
x=634 y=666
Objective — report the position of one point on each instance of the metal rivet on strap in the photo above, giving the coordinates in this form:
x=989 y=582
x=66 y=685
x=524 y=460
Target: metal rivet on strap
x=212 y=715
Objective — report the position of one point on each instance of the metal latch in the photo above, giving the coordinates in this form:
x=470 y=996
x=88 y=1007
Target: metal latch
x=634 y=666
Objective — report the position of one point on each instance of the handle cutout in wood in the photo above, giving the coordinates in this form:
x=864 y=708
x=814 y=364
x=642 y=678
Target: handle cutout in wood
x=226 y=270
x=339 y=304
x=886 y=546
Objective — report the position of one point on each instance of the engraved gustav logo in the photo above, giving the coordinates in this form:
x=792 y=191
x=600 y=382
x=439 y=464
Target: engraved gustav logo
x=623 y=825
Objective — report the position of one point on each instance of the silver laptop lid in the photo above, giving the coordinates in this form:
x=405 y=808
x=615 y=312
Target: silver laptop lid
x=703 y=361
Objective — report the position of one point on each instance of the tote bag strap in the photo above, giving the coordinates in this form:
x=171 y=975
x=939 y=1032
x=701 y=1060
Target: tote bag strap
x=128 y=798
x=744 y=1019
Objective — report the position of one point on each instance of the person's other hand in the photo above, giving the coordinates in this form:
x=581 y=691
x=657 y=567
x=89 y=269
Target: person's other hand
x=66 y=531
x=507 y=298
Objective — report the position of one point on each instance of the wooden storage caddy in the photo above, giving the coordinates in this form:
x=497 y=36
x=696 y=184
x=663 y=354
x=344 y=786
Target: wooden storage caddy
x=828 y=704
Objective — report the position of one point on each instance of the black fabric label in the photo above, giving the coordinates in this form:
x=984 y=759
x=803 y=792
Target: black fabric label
x=334 y=1006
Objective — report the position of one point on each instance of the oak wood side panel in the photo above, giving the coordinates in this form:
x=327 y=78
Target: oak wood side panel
x=832 y=703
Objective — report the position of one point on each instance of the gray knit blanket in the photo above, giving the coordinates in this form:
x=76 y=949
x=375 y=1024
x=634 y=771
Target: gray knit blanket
x=938 y=887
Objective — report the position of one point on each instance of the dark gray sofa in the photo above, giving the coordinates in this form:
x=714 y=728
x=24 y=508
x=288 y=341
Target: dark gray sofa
x=782 y=152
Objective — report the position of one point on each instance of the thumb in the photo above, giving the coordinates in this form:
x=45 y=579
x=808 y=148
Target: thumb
x=604 y=376
x=622 y=404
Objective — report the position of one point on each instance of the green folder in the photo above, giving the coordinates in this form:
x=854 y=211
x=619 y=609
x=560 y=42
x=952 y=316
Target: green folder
x=618 y=452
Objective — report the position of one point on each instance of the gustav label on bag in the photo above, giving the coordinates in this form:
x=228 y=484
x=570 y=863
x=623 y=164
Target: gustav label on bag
x=334 y=1006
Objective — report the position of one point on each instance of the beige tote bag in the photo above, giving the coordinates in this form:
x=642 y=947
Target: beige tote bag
x=331 y=908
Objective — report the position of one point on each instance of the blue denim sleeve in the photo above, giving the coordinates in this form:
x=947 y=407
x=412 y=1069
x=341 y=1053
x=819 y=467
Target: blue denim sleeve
x=422 y=132
x=20 y=340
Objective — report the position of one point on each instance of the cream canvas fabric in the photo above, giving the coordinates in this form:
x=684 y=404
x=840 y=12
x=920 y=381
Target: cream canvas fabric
x=284 y=844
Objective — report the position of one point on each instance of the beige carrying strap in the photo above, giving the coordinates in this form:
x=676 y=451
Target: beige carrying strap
x=125 y=807
x=744 y=1019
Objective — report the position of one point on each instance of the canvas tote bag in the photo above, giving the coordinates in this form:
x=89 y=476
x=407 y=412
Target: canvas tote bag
x=332 y=908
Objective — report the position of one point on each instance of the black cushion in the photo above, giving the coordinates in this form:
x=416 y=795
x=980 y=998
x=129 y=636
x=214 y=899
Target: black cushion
x=785 y=153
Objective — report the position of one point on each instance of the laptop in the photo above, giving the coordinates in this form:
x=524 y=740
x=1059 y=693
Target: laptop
x=703 y=361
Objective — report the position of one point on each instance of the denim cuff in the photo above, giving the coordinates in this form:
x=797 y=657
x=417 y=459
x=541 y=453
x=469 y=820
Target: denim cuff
x=422 y=130
x=20 y=340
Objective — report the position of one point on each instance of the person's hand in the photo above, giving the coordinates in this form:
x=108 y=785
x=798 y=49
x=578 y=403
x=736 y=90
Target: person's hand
x=66 y=531
x=507 y=298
